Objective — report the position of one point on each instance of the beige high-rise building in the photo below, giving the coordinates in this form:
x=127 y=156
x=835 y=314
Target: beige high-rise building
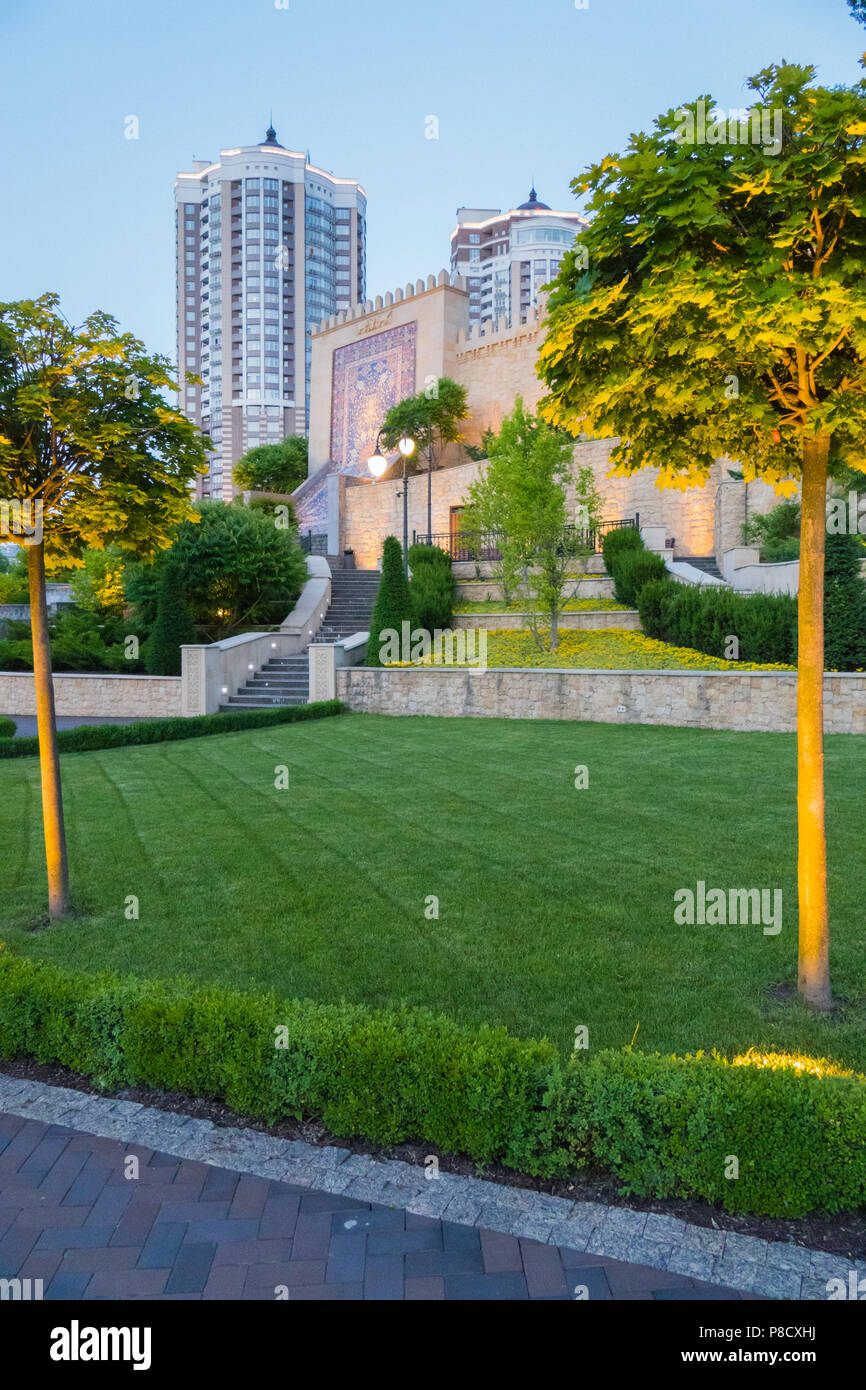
x=505 y=257
x=268 y=244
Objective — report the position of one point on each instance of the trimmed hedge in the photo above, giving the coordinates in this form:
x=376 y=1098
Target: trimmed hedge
x=703 y=617
x=432 y=587
x=89 y=737
x=666 y=1126
x=617 y=542
x=632 y=569
x=7 y=728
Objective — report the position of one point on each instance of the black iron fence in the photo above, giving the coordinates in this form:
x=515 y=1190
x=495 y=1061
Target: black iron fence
x=313 y=544
x=487 y=545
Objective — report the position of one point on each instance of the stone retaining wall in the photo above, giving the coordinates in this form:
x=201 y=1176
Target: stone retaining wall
x=748 y=700
x=96 y=696
x=475 y=590
x=599 y=618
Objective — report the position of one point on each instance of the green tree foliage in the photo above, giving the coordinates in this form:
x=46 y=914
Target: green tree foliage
x=173 y=626
x=432 y=418
x=239 y=568
x=432 y=587
x=273 y=467
x=98 y=584
x=776 y=533
x=87 y=435
x=521 y=497
x=716 y=305
x=393 y=604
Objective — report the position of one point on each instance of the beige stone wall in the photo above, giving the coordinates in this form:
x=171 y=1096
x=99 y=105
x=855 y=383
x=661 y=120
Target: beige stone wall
x=496 y=368
x=568 y=622
x=97 y=696
x=481 y=589
x=372 y=511
x=438 y=310
x=748 y=701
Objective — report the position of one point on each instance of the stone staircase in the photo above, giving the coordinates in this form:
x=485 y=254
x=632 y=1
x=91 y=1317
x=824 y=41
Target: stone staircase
x=353 y=595
x=707 y=563
x=285 y=680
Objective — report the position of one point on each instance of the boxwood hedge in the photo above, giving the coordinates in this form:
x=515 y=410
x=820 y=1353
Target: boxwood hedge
x=88 y=737
x=665 y=1126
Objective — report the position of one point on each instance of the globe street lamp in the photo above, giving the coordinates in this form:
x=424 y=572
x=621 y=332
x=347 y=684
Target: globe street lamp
x=377 y=463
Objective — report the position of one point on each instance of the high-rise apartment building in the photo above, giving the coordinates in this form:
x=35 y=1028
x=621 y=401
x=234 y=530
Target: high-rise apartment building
x=267 y=245
x=507 y=256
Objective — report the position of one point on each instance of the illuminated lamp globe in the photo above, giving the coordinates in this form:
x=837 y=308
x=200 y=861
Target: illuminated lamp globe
x=377 y=464
x=406 y=445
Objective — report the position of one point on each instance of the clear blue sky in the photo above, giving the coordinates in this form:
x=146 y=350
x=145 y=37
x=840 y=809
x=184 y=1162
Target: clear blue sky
x=527 y=90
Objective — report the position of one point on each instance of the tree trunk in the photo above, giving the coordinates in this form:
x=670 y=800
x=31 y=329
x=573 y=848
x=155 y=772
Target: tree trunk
x=49 y=758
x=814 y=953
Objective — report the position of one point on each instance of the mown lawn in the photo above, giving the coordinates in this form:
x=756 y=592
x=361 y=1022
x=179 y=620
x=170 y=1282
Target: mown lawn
x=555 y=904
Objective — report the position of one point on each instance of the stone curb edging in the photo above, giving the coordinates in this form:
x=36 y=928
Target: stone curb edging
x=772 y=1269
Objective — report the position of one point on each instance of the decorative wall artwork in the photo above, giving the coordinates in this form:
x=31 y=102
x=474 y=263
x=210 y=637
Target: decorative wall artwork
x=369 y=377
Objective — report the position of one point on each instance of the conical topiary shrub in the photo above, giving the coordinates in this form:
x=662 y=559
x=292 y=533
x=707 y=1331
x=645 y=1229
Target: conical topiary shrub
x=173 y=624
x=393 y=604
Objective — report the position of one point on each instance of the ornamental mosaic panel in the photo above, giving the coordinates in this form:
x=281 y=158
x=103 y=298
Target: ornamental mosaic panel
x=369 y=377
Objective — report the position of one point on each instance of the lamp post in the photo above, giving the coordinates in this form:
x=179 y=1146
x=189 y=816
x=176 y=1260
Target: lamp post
x=377 y=463
x=406 y=445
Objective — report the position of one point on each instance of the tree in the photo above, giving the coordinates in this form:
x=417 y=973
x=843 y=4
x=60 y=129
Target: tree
x=90 y=454
x=522 y=497
x=393 y=606
x=98 y=585
x=273 y=467
x=432 y=419
x=239 y=566
x=173 y=626
x=717 y=306
x=858 y=10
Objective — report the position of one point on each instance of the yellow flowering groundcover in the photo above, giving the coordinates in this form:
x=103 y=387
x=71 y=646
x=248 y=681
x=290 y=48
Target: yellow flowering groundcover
x=609 y=649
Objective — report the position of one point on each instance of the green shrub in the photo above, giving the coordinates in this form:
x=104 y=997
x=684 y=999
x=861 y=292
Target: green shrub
x=7 y=727
x=615 y=542
x=664 y=1126
x=704 y=617
x=844 y=605
x=173 y=626
x=632 y=569
x=393 y=605
x=432 y=587
x=14 y=587
x=89 y=737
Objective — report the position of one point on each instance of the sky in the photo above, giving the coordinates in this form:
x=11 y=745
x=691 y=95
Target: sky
x=522 y=90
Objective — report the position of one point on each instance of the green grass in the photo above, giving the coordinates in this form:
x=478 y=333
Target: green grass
x=555 y=905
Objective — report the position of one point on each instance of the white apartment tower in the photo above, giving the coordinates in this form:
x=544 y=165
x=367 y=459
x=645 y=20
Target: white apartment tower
x=267 y=245
x=507 y=256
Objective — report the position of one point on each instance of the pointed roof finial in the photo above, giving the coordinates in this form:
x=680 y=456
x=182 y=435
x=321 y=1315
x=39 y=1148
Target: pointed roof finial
x=271 y=134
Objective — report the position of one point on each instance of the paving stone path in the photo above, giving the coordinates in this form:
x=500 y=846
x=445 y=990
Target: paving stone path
x=632 y=1253
x=184 y=1229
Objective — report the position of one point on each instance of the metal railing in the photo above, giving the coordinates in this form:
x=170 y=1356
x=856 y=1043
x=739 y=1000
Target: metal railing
x=313 y=544
x=486 y=545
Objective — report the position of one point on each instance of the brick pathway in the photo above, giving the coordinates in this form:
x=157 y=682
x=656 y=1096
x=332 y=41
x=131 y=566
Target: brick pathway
x=183 y=1229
